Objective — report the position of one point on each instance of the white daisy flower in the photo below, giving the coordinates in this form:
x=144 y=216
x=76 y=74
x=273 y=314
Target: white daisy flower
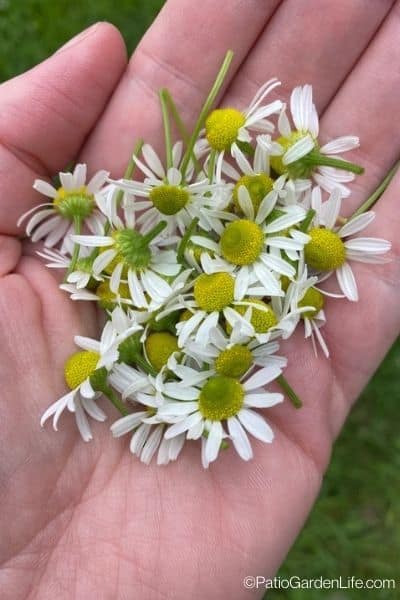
x=250 y=248
x=167 y=196
x=226 y=128
x=78 y=370
x=74 y=200
x=129 y=256
x=301 y=155
x=200 y=407
x=329 y=249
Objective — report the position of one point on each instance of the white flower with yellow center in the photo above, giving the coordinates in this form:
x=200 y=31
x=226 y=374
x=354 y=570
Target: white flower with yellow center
x=80 y=376
x=126 y=255
x=225 y=128
x=329 y=251
x=202 y=407
x=302 y=157
x=168 y=197
x=73 y=201
x=250 y=248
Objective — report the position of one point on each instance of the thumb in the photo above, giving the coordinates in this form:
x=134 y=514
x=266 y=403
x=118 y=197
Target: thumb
x=46 y=114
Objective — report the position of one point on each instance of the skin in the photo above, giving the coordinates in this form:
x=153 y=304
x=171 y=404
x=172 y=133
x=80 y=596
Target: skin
x=84 y=521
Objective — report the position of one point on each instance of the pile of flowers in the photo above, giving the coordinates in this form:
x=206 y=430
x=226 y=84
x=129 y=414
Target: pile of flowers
x=201 y=264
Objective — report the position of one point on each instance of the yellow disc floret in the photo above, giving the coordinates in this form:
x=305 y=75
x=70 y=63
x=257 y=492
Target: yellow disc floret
x=214 y=292
x=74 y=203
x=314 y=299
x=258 y=187
x=169 y=199
x=159 y=347
x=262 y=318
x=234 y=361
x=221 y=398
x=107 y=298
x=242 y=242
x=222 y=127
x=325 y=251
x=286 y=143
x=79 y=367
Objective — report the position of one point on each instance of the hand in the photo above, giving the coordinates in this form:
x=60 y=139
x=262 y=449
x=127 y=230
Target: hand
x=84 y=521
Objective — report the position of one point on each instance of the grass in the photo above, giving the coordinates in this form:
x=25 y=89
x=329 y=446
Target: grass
x=354 y=528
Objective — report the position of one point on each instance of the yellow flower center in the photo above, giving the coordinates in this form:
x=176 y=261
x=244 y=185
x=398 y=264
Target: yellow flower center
x=258 y=187
x=214 y=292
x=296 y=169
x=159 y=347
x=74 y=203
x=325 y=251
x=262 y=318
x=242 y=242
x=107 y=298
x=169 y=199
x=222 y=127
x=314 y=298
x=79 y=367
x=221 y=398
x=234 y=361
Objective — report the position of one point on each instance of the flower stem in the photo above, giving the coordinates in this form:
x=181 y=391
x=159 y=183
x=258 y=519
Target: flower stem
x=308 y=218
x=167 y=128
x=206 y=109
x=146 y=366
x=181 y=127
x=211 y=165
x=76 y=250
x=289 y=391
x=317 y=159
x=153 y=233
x=112 y=396
x=374 y=197
x=184 y=241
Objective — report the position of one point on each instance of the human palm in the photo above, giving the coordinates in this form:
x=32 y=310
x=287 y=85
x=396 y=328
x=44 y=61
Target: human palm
x=84 y=521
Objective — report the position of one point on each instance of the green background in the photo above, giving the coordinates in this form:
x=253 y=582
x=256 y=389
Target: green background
x=354 y=528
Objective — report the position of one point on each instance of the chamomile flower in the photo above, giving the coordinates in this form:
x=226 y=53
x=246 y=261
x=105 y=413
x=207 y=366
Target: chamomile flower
x=302 y=157
x=226 y=127
x=204 y=407
x=168 y=197
x=74 y=200
x=126 y=254
x=245 y=246
x=330 y=251
x=79 y=370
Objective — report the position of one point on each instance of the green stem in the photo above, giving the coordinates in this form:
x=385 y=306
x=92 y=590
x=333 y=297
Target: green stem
x=308 y=218
x=167 y=128
x=147 y=368
x=317 y=159
x=211 y=165
x=206 y=109
x=289 y=391
x=374 y=197
x=153 y=233
x=75 y=253
x=181 y=127
x=184 y=241
x=112 y=396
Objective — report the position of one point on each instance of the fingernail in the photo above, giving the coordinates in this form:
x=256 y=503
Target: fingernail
x=78 y=38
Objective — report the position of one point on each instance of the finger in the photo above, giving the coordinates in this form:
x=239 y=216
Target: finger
x=46 y=113
x=368 y=106
x=309 y=42
x=181 y=51
x=10 y=251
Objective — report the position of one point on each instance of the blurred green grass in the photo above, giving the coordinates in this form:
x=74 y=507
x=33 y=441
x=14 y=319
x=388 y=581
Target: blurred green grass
x=354 y=528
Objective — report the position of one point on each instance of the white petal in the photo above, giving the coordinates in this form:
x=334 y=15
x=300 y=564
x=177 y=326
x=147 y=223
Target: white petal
x=263 y=400
x=341 y=144
x=92 y=240
x=152 y=160
x=82 y=422
x=369 y=245
x=213 y=442
x=241 y=283
x=45 y=188
x=239 y=439
x=151 y=445
x=256 y=425
x=102 y=260
x=347 y=282
x=298 y=150
x=93 y=410
x=126 y=424
x=262 y=377
x=356 y=224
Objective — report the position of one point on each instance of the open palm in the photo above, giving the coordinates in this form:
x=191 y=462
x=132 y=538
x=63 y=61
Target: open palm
x=90 y=521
